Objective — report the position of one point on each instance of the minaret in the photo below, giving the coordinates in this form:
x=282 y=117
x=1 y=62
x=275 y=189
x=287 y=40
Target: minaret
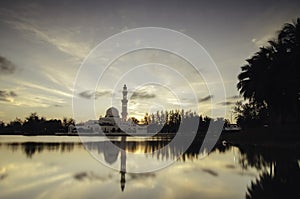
x=124 y=103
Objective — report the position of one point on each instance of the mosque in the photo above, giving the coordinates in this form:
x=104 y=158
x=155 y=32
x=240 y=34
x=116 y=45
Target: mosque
x=112 y=122
x=109 y=124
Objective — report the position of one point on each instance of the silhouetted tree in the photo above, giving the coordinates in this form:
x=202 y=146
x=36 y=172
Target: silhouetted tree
x=174 y=120
x=32 y=124
x=272 y=76
x=66 y=123
x=39 y=126
x=134 y=120
x=251 y=114
x=14 y=126
x=146 y=119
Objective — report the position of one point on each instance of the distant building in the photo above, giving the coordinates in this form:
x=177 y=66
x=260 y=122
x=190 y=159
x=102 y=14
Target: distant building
x=112 y=123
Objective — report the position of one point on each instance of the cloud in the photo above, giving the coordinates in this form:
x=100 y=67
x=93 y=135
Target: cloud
x=3 y=176
x=35 y=100
x=142 y=95
x=45 y=88
x=6 y=67
x=89 y=94
x=231 y=100
x=262 y=41
x=230 y=166
x=57 y=105
x=227 y=103
x=81 y=176
x=141 y=176
x=211 y=172
x=234 y=97
x=207 y=98
x=13 y=94
x=7 y=96
x=63 y=42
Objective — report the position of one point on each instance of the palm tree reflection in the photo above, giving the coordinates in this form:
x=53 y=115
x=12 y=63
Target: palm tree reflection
x=281 y=173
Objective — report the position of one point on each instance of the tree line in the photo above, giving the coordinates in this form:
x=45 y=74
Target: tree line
x=33 y=124
x=172 y=121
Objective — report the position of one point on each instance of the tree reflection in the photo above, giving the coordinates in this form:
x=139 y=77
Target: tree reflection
x=32 y=148
x=284 y=183
x=281 y=173
x=168 y=150
x=277 y=163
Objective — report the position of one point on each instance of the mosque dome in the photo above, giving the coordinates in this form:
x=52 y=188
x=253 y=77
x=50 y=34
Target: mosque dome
x=112 y=112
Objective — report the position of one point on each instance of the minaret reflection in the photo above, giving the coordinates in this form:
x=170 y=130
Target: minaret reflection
x=111 y=152
x=123 y=162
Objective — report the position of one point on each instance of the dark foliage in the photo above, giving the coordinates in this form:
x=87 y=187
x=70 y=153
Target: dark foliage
x=272 y=76
x=35 y=125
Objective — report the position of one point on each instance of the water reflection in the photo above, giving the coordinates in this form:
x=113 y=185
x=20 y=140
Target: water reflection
x=281 y=174
x=31 y=148
x=110 y=153
x=273 y=169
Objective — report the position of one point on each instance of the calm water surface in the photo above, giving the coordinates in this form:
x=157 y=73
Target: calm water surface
x=61 y=167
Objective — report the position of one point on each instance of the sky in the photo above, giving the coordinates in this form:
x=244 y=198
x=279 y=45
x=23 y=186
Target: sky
x=44 y=44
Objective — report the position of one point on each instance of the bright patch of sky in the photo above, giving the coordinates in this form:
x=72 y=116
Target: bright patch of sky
x=43 y=44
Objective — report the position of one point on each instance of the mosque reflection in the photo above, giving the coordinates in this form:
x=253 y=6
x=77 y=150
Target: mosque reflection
x=278 y=166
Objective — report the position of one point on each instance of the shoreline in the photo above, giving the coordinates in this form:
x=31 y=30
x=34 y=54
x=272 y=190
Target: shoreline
x=251 y=136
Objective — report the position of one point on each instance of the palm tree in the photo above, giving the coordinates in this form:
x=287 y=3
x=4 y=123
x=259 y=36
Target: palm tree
x=289 y=38
x=272 y=76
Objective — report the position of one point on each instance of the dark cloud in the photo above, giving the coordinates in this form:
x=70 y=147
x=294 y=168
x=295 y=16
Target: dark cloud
x=4 y=95
x=3 y=176
x=6 y=67
x=141 y=175
x=57 y=105
x=13 y=94
x=245 y=173
x=211 y=172
x=142 y=95
x=234 y=97
x=227 y=103
x=207 y=98
x=81 y=176
x=90 y=94
x=230 y=166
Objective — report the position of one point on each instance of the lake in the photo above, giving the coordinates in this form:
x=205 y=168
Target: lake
x=62 y=167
